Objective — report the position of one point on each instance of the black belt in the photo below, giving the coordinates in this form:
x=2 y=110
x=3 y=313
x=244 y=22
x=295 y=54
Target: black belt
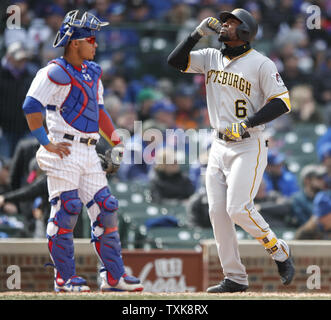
x=224 y=137
x=88 y=141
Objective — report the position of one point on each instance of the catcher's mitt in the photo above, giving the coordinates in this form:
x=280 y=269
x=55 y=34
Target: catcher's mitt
x=111 y=160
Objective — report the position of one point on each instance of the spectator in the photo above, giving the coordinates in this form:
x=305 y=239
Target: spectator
x=279 y=14
x=312 y=182
x=179 y=13
x=114 y=106
x=273 y=206
x=163 y=112
x=126 y=120
x=198 y=169
x=318 y=227
x=4 y=175
x=101 y=9
x=9 y=208
x=139 y=152
x=277 y=177
x=139 y=11
x=159 y=8
x=187 y=116
x=167 y=181
x=304 y=108
x=19 y=171
x=197 y=210
x=291 y=74
x=53 y=18
x=325 y=138
x=20 y=34
x=116 y=13
x=322 y=82
x=27 y=194
x=145 y=100
x=16 y=77
x=324 y=154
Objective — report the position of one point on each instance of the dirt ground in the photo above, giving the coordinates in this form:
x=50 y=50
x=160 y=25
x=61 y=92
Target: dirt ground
x=19 y=295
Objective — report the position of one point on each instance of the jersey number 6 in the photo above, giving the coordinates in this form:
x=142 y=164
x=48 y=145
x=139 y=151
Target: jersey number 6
x=241 y=111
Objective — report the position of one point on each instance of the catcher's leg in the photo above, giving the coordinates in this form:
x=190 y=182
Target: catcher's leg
x=64 y=215
x=107 y=245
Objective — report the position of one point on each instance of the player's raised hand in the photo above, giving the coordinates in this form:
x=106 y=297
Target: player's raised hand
x=60 y=148
x=209 y=26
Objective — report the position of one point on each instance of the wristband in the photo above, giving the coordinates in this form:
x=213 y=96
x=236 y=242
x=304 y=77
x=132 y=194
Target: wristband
x=41 y=135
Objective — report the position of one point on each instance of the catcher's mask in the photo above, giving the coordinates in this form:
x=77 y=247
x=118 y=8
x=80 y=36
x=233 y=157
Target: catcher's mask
x=73 y=28
x=247 y=30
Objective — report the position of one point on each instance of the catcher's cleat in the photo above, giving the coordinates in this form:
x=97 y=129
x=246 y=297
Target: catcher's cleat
x=286 y=268
x=227 y=285
x=125 y=283
x=74 y=284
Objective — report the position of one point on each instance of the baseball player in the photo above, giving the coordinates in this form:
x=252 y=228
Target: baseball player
x=70 y=90
x=244 y=91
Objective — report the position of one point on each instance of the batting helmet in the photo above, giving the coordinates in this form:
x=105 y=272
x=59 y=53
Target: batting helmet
x=247 y=30
x=73 y=28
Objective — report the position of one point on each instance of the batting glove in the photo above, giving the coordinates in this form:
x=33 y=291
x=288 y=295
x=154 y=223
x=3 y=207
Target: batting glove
x=236 y=130
x=209 y=26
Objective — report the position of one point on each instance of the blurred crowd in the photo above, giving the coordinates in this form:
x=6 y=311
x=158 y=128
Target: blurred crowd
x=140 y=86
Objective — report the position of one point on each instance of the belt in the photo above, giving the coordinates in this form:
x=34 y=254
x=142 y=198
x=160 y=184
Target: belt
x=88 y=141
x=224 y=137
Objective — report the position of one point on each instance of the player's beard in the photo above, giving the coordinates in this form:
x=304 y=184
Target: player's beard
x=223 y=38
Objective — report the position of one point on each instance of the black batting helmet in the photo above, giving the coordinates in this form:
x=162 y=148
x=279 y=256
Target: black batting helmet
x=247 y=30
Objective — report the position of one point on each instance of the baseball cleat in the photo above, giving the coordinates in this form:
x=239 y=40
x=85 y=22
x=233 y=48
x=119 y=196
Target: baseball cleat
x=74 y=284
x=125 y=283
x=286 y=268
x=227 y=285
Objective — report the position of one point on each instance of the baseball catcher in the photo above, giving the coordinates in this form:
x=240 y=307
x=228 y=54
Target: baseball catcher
x=70 y=89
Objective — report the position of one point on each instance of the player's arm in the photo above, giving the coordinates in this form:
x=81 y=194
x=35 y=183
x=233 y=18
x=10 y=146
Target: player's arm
x=32 y=109
x=269 y=112
x=113 y=157
x=179 y=58
x=107 y=128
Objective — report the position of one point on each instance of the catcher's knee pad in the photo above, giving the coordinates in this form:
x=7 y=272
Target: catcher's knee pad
x=108 y=204
x=107 y=245
x=60 y=244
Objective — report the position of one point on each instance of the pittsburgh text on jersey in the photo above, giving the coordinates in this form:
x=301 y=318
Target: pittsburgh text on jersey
x=229 y=78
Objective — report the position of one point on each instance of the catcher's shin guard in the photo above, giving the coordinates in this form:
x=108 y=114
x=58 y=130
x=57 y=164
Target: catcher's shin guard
x=107 y=244
x=106 y=241
x=60 y=233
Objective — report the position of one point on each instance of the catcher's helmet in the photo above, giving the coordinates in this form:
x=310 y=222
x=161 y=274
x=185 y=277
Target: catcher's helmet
x=73 y=28
x=247 y=30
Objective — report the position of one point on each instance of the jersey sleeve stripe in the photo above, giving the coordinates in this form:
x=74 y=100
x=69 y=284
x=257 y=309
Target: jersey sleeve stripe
x=284 y=96
x=277 y=95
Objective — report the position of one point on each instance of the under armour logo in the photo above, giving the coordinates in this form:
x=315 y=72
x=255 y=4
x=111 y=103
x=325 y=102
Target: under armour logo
x=87 y=77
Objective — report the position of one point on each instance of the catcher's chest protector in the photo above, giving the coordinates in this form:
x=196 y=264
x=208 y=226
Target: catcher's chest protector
x=80 y=109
